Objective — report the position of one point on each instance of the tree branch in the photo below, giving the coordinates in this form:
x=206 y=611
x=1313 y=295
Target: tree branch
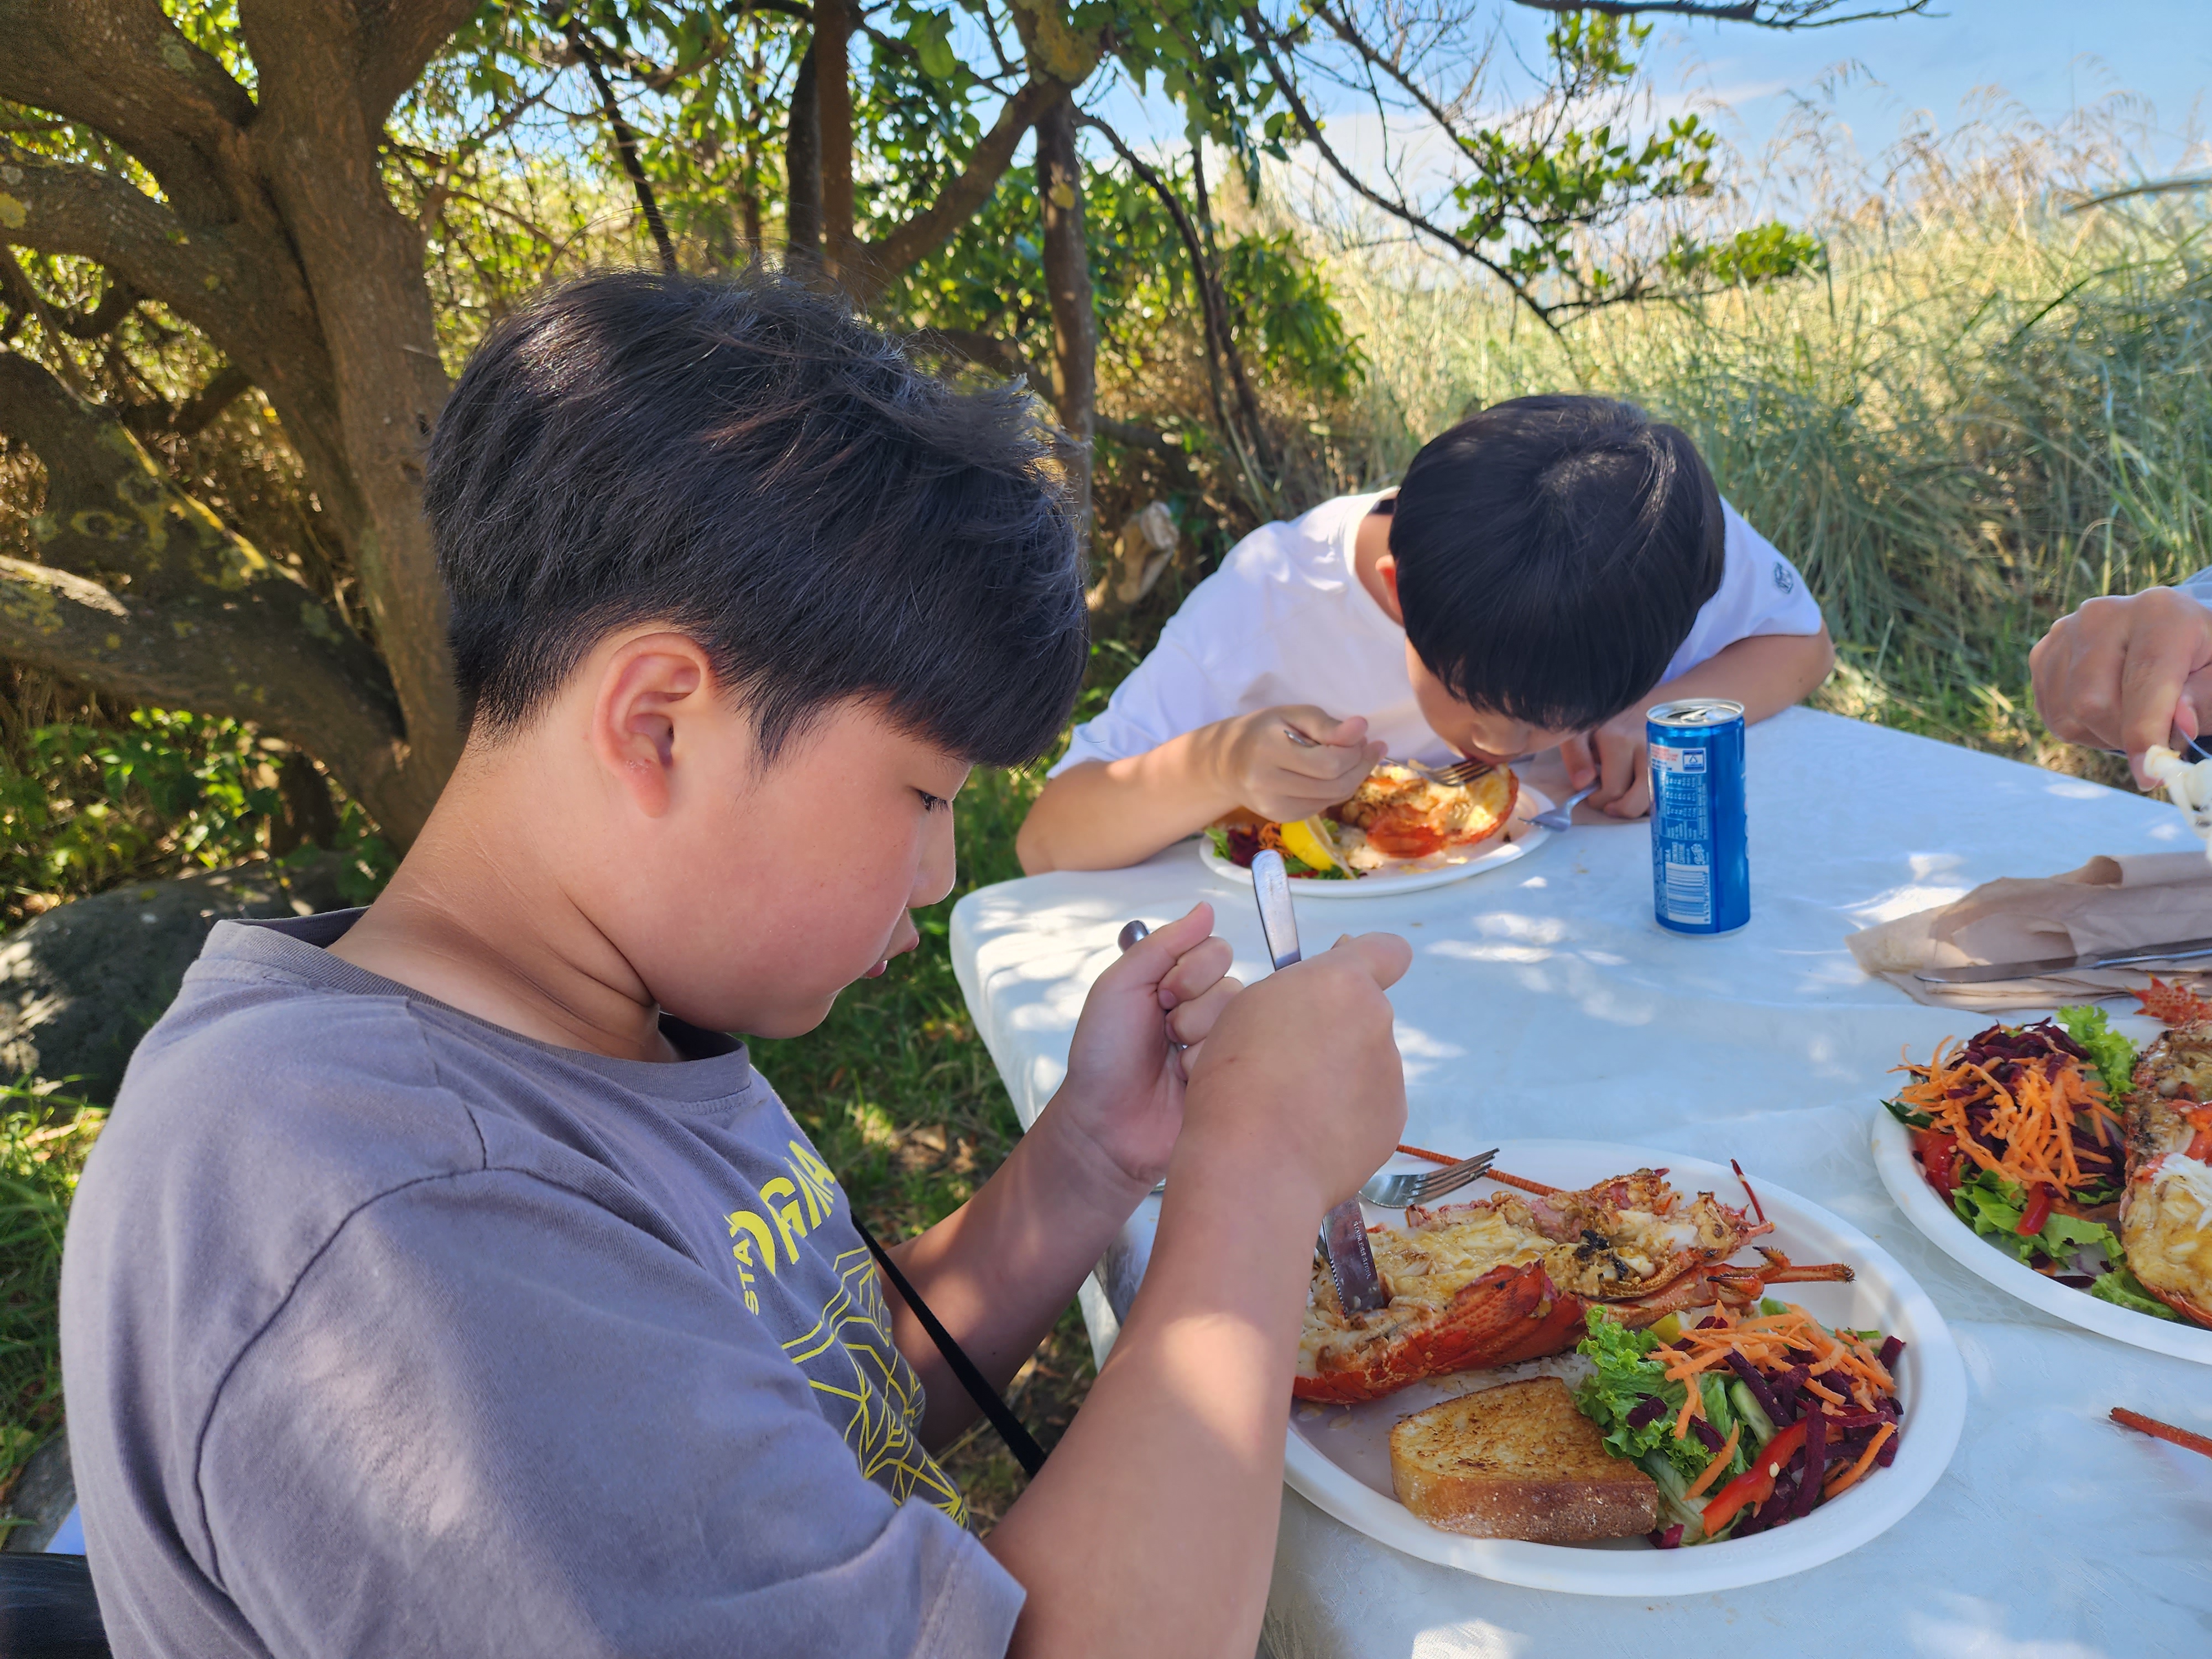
x=68 y=208
x=202 y=622
x=1213 y=306
x=122 y=67
x=881 y=261
x=400 y=39
x=1266 y=39
x=833 y=126
x=1765 y=14
x=224 y=388
x=625 y=141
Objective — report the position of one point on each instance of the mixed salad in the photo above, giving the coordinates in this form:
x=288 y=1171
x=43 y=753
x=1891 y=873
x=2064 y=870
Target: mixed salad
x=2017 y=1130
x=1745 y=1421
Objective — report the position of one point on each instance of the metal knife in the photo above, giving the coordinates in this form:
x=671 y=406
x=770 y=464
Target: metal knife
x=1344 y=1229
x=2179 y=950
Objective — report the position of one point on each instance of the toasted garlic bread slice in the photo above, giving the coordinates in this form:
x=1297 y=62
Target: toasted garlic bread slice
x=1518 y=1462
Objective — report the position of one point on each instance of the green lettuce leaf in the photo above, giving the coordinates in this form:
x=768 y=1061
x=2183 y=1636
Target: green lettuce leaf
x=1906 y=1115
x=2122 y=1289
x=1621 y=1379
x=2114 y=1055
x=1219 y=837
x=1992 y=1206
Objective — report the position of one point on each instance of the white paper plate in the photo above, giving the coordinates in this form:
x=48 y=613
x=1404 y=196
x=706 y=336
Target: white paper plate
x=1338 y=1457
x=1900 y=1173
x=1518 y=839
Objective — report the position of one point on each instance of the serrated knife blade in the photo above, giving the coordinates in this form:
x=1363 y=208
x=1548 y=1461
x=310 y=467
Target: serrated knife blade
x=1344 y=1229
x=1987 y=973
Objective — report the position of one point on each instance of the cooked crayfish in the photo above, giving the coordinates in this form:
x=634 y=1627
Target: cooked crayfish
x=1510 y=1277
x=2172 y=1004
x=2165 y=1211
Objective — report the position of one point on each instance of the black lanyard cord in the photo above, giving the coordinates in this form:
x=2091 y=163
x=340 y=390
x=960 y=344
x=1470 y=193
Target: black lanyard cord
x=1026 y=1451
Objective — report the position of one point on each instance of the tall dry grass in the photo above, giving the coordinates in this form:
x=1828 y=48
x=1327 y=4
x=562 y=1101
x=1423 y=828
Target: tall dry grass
x=1987 y=411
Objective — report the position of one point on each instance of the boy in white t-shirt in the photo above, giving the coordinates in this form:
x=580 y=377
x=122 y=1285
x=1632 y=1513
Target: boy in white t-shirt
x=1549 y=568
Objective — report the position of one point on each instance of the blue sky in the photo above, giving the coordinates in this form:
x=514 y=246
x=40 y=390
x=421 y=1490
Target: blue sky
x=2050 y=56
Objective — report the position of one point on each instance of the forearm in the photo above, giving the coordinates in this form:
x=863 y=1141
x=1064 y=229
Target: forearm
x=999 y=1271
x=1152 y=1527
x=1102 y=815
x=1766 y=673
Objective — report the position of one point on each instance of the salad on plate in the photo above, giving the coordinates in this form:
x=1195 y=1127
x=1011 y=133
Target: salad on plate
x=1746 y=1421
x=2034 y=1135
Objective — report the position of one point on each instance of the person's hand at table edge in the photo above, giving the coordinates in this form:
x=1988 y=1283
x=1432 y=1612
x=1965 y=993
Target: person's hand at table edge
x=1102 y=815
x=1152 y=1528
x=2124 y=673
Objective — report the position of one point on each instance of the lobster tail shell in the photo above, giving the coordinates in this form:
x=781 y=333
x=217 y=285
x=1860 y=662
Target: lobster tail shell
x=2187 y=1306
x=1510 y=1313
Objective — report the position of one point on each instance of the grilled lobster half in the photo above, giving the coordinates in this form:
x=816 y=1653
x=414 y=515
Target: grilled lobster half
x=2165 y=1212
x=1509 y=1278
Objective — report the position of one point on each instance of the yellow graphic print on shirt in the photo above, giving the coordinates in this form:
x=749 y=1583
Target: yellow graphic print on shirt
x=880 y=1404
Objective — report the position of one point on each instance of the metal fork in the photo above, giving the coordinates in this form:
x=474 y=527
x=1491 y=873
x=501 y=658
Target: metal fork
x=1562 y=817
x=1457 y=775
x=1394 y=1189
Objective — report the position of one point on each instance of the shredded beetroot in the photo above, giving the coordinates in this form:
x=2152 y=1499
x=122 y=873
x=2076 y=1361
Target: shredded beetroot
x=1669 y=1540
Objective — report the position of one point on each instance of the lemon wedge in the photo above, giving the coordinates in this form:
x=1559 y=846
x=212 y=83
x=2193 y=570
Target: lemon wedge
x=1312 y=842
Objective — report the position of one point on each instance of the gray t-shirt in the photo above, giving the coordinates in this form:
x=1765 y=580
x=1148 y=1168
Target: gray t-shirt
x=388 y=1331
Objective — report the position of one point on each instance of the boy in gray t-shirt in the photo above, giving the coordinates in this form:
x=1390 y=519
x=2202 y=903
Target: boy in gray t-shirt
x=444 y=1284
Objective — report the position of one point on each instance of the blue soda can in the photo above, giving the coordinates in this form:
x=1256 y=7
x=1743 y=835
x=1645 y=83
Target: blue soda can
x=1700 y=867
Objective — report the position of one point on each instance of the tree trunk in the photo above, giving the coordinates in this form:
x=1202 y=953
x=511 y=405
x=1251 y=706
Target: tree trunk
x=273 y=234
x=142 y=591
x=802 y=171
x=833 y=106
x=1067 y=285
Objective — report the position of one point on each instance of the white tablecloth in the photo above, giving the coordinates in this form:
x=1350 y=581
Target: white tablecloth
x=1544 y=1001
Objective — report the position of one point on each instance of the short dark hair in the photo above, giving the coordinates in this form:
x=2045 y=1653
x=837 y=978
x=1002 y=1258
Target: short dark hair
x=747 y=462
x=1553 y=555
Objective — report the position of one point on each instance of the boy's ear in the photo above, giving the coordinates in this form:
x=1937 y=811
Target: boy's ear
x=648 y=688
x=1386 y=572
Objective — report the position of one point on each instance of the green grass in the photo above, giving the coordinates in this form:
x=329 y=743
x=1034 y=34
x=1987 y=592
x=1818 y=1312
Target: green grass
x=43 y=1143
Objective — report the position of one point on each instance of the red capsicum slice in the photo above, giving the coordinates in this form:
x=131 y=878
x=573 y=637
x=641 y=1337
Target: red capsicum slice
x=2036 y=1212
x=1939 y=1156
x=1756 y=1484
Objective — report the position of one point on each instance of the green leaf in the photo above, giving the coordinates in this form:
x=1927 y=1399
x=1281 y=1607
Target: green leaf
x=2120 y=1287
x=1905 y=1115
x=1993 y=1207
x=2115 y=1056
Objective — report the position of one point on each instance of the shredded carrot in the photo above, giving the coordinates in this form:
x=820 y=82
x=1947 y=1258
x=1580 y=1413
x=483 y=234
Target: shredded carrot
x=1765 y=1340
x=1694 y=1406
x=1720 y=1461
x=1866 y=1462
x=2034 y=1113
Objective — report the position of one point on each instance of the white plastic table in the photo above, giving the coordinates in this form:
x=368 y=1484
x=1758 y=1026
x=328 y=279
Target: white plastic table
x=1544 y=1001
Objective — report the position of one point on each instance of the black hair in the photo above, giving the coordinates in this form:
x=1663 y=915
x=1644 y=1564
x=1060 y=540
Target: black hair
x=746 y=462
x=1553 y=555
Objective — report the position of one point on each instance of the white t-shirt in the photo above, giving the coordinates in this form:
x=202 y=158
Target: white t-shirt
x=1285 y=620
